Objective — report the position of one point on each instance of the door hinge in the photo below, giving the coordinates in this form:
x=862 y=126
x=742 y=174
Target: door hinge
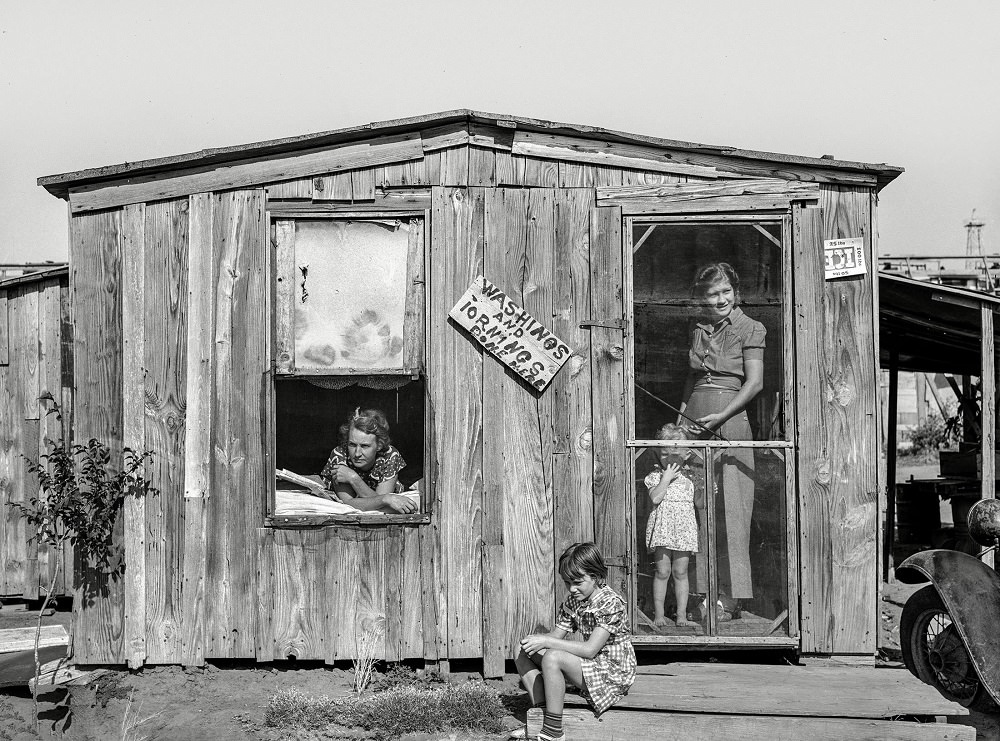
x=608 y=323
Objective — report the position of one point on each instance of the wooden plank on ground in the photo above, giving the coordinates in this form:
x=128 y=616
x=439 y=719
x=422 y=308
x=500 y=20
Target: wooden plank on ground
x=199 y=378
x=165 y=394
x=831 y=691
x=573 y=458
x=235 y=506
x=456 y=384
x=23 y=639
x=259 y=171
x=95 y=284
x=611 y=511
x=133 y=418
x=628 y=725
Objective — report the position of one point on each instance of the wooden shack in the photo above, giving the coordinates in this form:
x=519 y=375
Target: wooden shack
x=231 y=306
x=36 y=358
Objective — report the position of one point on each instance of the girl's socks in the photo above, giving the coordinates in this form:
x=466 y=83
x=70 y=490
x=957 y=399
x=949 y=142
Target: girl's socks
x=552 y=724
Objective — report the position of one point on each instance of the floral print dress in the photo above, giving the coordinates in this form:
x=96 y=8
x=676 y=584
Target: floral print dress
x=387 y=464
x=672 y=524
x=608 y=675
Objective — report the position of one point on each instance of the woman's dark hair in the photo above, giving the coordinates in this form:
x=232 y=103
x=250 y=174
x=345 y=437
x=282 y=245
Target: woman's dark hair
x=715 y=272
x=583 y=559
x=370 y=422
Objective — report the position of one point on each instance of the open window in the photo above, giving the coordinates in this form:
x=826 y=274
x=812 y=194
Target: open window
x=349 y=333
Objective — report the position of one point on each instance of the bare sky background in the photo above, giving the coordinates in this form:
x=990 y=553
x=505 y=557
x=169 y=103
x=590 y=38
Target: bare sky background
x=912 y=83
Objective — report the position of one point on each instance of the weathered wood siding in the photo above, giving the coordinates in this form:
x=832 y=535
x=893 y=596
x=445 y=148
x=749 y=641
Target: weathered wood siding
x=514 y=476
x=32 y=356
x=838 y=437
x=96 y=247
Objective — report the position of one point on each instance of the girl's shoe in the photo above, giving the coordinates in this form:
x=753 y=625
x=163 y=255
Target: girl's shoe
x=519 y=733
x=546 y=737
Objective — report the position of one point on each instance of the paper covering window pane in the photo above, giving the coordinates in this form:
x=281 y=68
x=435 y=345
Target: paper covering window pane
x=350 y=294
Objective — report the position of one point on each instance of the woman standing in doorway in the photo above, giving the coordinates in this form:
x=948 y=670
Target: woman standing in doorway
x=726 y=371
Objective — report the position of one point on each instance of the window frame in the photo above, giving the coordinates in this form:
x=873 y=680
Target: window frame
x=363 y=519
x=787 y=447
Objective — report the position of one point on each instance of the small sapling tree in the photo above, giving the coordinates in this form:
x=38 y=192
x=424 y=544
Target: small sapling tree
x=81 y=490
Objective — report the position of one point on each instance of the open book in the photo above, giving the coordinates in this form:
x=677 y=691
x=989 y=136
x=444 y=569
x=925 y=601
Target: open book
x=288 y=501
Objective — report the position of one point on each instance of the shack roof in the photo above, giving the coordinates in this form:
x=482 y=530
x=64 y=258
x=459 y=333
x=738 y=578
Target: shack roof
x=39 y=275
x=932 y=328
x=59 y=185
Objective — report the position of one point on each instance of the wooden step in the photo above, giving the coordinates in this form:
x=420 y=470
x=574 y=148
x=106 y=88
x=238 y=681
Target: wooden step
x=757 y=689
x=630 y=725
x=23 y=639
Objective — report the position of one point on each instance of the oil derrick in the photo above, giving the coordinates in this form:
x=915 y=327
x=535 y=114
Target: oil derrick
x=974 y=249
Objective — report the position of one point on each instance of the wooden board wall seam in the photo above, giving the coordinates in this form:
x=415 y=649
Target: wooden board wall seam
x=199 y=378
x=611 y=511
x=134 y=437
x=4 y=329
x=165 y=395
x=96 y=246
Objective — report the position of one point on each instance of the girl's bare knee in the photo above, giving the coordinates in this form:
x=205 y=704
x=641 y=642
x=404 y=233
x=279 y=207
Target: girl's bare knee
x=552 y=660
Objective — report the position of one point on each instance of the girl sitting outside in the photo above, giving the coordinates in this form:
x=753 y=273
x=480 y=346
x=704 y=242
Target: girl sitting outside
x=602 y=665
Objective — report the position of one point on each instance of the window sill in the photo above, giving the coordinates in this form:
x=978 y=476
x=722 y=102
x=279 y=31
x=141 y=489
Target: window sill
x=361 y=520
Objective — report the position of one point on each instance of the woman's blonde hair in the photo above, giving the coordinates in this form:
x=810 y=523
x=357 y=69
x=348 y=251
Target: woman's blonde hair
x=370 y=422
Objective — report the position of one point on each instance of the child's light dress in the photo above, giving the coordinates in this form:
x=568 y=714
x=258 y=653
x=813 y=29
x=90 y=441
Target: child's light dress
x=608 y=675
x=672 y=524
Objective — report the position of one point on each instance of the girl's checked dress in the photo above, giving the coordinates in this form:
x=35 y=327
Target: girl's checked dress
x=608 y=675
x=672 y=524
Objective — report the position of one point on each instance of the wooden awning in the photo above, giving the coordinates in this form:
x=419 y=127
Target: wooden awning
x=933 y=328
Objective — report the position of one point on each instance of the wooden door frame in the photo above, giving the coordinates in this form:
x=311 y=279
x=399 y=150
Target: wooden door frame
x=783 y=219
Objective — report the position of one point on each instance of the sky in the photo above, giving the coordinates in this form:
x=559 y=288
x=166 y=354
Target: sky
x=910 y=83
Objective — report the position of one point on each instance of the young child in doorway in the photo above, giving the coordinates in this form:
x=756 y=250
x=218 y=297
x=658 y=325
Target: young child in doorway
x=672 y=531
x=602 y=665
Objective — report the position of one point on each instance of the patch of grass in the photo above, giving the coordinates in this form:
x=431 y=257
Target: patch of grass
x=392 y=712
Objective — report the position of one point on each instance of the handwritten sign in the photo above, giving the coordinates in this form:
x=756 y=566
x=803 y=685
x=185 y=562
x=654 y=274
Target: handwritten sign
x=510 y=333
x=844 y=257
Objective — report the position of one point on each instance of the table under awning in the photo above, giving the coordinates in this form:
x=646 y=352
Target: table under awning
x=930 y=328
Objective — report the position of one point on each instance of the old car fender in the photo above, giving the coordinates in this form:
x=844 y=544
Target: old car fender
x=970 y=591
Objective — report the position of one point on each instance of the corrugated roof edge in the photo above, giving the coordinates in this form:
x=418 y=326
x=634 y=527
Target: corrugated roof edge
x=34 y=277
x=925 y=285
x=59 y=185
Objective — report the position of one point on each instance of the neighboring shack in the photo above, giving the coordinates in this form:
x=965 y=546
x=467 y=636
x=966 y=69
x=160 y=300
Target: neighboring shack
x=232 y=306
x=36 y=358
